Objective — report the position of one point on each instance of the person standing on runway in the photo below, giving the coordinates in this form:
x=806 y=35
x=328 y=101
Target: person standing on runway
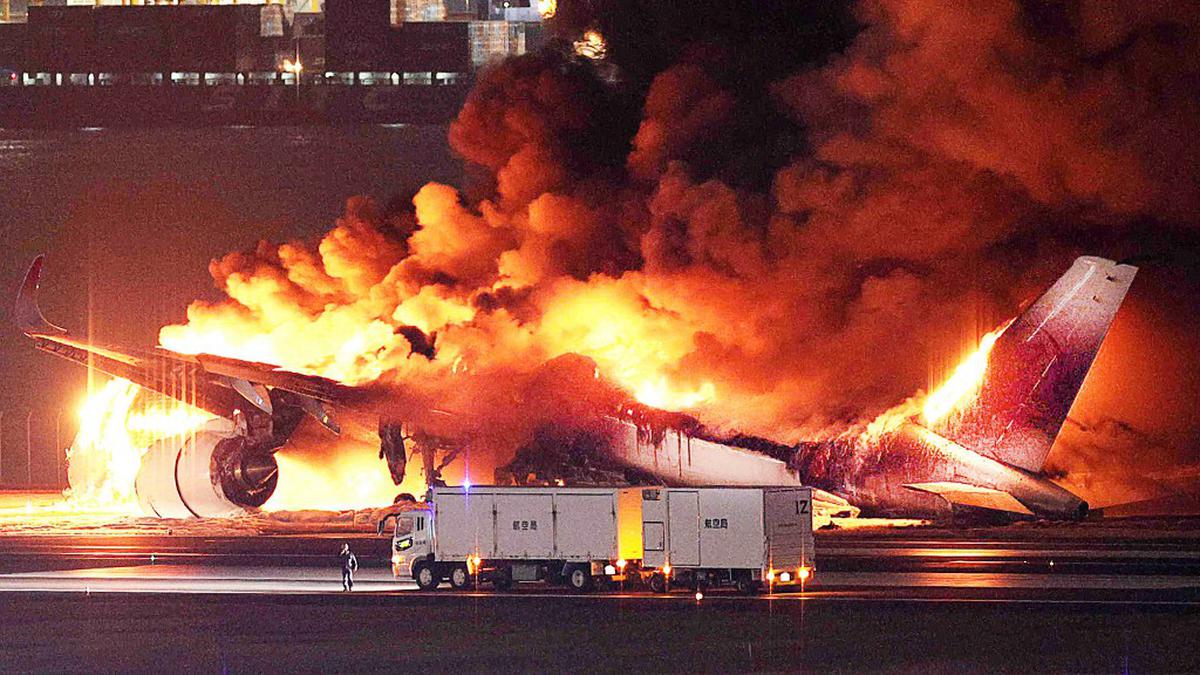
x=349 y=566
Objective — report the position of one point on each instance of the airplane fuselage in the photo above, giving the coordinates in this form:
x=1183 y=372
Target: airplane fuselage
x=871 y=474
x=887 y=475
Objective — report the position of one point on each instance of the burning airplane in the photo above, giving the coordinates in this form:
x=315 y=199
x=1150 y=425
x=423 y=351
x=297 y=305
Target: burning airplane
x=978 y=442
x=774 y=225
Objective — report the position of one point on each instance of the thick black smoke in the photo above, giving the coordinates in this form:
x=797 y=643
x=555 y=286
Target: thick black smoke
x=784 y=217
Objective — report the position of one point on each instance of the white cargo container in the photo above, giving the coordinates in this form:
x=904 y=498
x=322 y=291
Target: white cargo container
x=737 y=535
x=506 y=534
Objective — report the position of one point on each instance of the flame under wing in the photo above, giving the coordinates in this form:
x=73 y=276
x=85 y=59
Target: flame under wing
x=1038 y=365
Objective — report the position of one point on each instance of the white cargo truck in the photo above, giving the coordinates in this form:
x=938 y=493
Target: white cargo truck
x=743 y=536
x=694 y=537
x=577 y=536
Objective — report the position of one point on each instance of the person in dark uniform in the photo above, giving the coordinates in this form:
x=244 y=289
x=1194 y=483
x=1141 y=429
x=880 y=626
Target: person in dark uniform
x=349 y=565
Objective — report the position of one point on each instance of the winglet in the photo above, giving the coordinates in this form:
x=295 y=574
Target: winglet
x=26 y=312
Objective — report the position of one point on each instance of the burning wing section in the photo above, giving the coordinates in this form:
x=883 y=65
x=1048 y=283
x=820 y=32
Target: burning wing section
x=216 y=384
x=223 y=467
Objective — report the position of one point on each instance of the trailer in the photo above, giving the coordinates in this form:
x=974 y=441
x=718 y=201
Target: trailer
x=501 y=535
x=742 y=536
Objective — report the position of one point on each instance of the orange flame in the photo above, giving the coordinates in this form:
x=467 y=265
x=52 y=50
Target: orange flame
x=634 y=348
x=547 y=8
x=591 y=45
x=966 y=380
x=116 y=425
x=951 y=396
x=337 y=480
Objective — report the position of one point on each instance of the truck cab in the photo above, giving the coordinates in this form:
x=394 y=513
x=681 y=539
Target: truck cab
x=412 y=539
x=502 y=535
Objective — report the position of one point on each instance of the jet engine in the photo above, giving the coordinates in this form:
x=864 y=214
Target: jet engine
x=211 y=473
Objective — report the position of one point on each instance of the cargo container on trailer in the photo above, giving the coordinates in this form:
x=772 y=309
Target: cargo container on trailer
x=742 y=536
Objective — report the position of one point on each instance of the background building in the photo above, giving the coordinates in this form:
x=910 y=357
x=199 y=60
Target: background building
x=105 y=42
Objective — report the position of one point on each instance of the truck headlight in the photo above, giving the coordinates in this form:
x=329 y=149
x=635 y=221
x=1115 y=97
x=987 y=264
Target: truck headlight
x=610 y=570
x=785 y=577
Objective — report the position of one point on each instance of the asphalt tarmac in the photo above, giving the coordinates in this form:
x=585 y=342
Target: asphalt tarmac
x=994 y=600
x=538 y=631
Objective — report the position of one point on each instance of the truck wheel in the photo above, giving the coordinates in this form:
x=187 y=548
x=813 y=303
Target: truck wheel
x=502 y=580
x=580 y=579
x=658 y=583
x=748 y=586
x=459 y=579
x=426 y=578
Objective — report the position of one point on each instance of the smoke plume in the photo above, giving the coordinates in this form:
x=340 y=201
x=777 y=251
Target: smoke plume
x=780 y=217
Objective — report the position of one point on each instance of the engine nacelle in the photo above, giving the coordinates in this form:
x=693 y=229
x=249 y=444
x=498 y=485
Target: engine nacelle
x=211 y=474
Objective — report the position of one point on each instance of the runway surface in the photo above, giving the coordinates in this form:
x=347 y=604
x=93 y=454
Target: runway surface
x=541 y=631
x=929 y=600
x=987 y=565
x=220 y=579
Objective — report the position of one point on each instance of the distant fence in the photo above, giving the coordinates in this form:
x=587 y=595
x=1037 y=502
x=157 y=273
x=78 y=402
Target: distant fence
x=33 y=448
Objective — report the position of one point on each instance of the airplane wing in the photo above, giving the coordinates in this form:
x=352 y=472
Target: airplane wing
x=963 y=494
x=217 y=384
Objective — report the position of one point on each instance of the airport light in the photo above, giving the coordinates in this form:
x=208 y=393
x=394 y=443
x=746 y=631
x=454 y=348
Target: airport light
x=295 y=68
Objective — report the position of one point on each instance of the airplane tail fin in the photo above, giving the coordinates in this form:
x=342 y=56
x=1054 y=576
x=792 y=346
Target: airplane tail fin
x=1038 y=365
